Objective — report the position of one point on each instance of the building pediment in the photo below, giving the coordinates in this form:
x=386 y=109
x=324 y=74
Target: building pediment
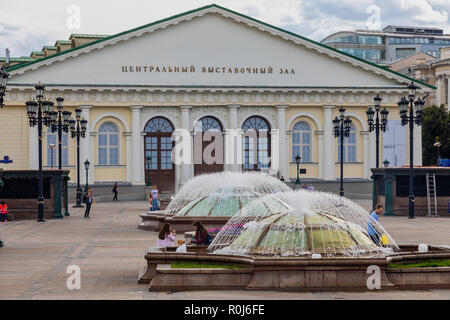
x=207 y=47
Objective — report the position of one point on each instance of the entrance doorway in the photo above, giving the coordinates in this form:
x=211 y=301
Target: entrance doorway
x=208 y=146
x=158 y=146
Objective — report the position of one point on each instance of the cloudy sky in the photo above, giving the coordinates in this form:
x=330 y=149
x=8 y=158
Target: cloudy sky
x=27 y=26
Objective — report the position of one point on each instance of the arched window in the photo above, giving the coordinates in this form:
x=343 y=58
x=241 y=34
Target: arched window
x=158 y=124
x=349 y=146
x=52 y=156
x=207 y=123
x=301 y=141
x=108 y=144
x=256 y=155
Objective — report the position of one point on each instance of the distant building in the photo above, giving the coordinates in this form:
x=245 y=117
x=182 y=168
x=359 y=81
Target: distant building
x=436 y=73
x=390 y=44
x=404 y=65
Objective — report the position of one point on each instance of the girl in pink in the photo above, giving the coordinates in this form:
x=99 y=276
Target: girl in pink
x=166 y=236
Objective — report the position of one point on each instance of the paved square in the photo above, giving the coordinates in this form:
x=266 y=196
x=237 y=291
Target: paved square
x=109 y=249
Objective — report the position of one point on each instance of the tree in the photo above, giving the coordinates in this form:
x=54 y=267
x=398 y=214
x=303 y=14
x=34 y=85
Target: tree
x=435 y=123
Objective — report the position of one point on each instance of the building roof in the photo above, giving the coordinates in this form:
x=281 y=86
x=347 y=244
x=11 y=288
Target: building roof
x=220 y=9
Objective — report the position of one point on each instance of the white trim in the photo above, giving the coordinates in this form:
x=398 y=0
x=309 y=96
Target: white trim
x=305 y=114
x=362 y=122
x=113 y=115
x=217 y=117
x=257 y=114
x=144 y=121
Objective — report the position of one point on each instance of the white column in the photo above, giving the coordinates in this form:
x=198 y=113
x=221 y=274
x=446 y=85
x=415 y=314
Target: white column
x=329 y=144
x=136 y=146
x=438 y=90
x=372 y=151
x=448 y=92
x=233 y=113
x=176 y=159
x=129 y=159
x=33 y=157
x=417 y=152
x=85 y=146
x=275 y=150
x=187 y=167
x=283 y=154
x=320 y=151
x=366 y=160
x=92 y=158
x=231 y=139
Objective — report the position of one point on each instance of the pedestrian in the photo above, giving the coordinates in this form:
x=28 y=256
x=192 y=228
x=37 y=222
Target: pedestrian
x=166 y=236
x=114 y=190
x=305 y=187
x=154 y=199
x=311 y=188
x=3 y=211
x=373 y=234
x=201 y=234
x=89 y=201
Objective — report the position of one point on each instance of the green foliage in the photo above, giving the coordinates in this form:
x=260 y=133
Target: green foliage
x=436 y=123
x=422 y=264
x=182 y=265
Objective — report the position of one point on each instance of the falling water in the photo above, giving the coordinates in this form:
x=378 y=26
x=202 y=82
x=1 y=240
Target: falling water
x=224 y=183
x=302 y=223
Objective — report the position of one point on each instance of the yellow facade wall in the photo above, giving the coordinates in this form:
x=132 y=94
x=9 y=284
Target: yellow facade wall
x=14 y=137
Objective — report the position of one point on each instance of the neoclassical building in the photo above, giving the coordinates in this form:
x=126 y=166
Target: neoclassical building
x=207 y=70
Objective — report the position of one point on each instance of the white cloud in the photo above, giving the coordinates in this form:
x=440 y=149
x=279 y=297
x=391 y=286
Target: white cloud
x=29 y=25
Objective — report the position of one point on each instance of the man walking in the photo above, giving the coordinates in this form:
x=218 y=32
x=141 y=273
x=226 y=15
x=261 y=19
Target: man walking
x=89 y=201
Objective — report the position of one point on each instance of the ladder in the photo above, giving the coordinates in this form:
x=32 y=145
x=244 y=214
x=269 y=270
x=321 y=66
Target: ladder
x=431 y=194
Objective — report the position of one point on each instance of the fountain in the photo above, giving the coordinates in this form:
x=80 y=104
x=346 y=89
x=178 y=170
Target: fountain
x=296 y=241
x=204 y=191
x=307 y=223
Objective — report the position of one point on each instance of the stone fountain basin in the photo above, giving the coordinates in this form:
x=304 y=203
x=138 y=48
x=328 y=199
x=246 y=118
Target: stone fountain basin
x=287 y=274
x=153 y=220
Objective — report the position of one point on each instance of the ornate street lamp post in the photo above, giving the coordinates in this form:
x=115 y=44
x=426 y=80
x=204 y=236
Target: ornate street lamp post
x=78 y=130
x=342 y=125
x=60 y=124
x=411 y=118
x=86 y=167
x=297 y=161
x=378 y=125
x=39 y=113
x=148 y=161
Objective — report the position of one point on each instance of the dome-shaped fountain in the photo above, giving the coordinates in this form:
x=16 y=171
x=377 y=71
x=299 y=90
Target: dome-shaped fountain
x=302 y=224
x=224 y=182
x=218 y=195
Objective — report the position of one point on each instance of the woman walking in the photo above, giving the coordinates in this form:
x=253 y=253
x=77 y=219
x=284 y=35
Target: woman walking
x=115 y=192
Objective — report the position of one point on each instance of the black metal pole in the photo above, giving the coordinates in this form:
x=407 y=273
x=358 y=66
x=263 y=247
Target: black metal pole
x=411 y=168
x=341 y=133
x=78 y=205
x=87 y=182
x=59 y=141
x=377 y=138
x=41 y=176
